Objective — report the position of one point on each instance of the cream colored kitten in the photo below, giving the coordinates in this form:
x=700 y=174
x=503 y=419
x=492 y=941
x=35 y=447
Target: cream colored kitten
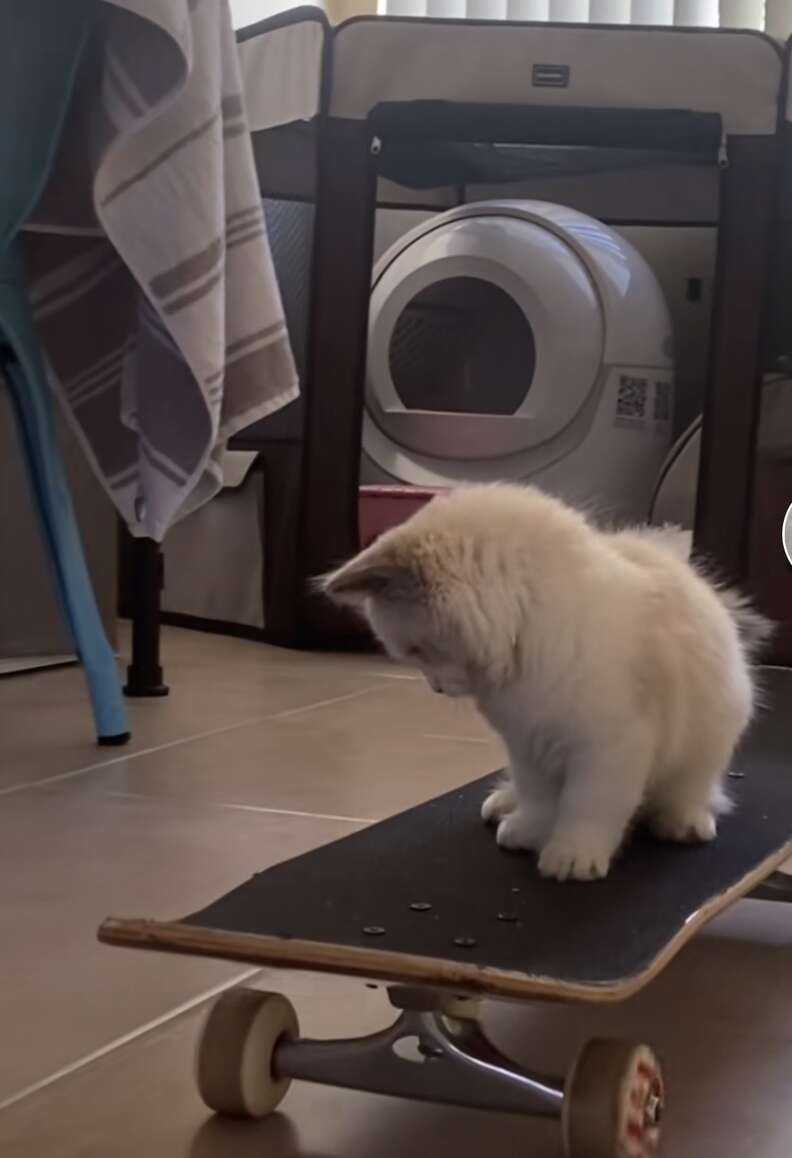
x=617 y=675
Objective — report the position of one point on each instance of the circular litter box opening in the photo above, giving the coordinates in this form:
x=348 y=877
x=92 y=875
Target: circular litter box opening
x=462 y=345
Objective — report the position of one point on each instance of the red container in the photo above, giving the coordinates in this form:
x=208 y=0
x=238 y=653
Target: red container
x=383 y=507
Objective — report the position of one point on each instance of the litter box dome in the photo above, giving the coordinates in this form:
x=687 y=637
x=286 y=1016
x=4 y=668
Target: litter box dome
x=519 y=340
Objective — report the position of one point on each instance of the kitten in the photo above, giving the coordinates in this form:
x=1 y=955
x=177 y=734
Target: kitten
x=617 y=675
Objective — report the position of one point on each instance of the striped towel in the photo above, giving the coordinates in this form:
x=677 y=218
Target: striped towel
x=150 y=271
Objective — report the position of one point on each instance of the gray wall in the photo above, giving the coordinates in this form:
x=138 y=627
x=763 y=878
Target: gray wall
x=31 y=623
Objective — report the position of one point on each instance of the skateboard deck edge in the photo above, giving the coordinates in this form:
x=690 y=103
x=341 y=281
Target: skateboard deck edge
x=404 y=968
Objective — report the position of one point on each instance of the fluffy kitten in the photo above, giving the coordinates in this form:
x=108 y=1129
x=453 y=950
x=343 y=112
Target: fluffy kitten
x=617 y=675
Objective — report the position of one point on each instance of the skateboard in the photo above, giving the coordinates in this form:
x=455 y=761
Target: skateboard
x=428 y=904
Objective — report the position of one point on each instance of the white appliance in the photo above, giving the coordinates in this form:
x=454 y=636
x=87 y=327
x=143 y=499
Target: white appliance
x=674 y=499
x=519 y=340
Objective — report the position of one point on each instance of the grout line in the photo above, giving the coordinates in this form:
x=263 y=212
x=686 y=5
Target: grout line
x=323 y=703
x=61 y=776
x=118 y=1042
x=462 y=739
x=134 y=755
x=243 y=807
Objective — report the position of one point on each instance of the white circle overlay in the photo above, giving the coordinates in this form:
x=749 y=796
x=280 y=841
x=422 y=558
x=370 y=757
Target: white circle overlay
x=786 y=534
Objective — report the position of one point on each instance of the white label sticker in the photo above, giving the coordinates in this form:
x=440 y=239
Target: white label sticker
x=643 y=402
x=632 y=400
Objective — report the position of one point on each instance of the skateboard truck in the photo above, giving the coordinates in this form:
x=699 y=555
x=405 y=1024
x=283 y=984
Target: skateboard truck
x=610 y=1105
x=435 y=1051
x=776 y=887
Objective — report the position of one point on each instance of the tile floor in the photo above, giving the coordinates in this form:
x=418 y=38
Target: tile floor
x=259 y=754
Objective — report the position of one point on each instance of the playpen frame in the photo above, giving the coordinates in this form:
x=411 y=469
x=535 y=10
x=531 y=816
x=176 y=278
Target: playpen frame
x=310 y=453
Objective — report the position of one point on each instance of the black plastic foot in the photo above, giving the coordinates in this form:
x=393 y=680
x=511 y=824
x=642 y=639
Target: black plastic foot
x=144 y=674
x=113 y=741
x=139 y=688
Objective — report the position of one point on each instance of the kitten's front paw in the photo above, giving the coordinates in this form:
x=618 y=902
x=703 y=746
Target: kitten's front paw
x=500 y=802
x=520 y=830
x=684 y=825
x=580 y=856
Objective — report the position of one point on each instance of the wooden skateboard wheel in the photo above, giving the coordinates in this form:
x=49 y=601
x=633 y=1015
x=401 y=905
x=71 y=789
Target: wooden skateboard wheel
x=613 y=1102
x=234 y=1062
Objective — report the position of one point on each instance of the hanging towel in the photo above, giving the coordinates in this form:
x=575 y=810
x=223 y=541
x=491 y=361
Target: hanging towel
x=148 y=263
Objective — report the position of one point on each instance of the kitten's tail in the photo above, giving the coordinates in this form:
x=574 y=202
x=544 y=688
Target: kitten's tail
x=754 y=629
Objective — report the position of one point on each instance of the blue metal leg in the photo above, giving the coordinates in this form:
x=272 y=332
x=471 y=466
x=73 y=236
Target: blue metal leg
x=33 y=405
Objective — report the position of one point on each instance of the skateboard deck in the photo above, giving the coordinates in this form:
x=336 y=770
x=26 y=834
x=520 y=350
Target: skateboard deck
x=427 y=898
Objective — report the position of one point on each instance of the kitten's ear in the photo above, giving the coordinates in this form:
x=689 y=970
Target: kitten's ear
x=361 y=578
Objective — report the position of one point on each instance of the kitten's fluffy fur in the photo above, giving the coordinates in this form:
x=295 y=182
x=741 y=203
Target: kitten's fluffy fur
x=617 y=675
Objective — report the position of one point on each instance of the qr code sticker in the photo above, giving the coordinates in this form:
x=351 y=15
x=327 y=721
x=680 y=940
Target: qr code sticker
x=662 y=402
x=632 y=397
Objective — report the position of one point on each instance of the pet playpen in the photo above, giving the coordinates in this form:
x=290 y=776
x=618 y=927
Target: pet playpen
x=669 y=138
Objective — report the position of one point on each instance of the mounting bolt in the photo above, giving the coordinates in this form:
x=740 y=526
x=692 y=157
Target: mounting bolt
x=373 y=930
x=428 y=1050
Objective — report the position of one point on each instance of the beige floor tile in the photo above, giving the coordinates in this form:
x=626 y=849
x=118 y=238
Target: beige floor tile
x=418 y=711
x=367 y=757
x=46 y=727
x=142 y=1100
x=68 y=860
x=151 y=836
x=195 y=649
x=720 y=1015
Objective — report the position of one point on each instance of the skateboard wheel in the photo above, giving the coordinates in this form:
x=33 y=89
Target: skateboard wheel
x=235 y=1056
x=613 y=1102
